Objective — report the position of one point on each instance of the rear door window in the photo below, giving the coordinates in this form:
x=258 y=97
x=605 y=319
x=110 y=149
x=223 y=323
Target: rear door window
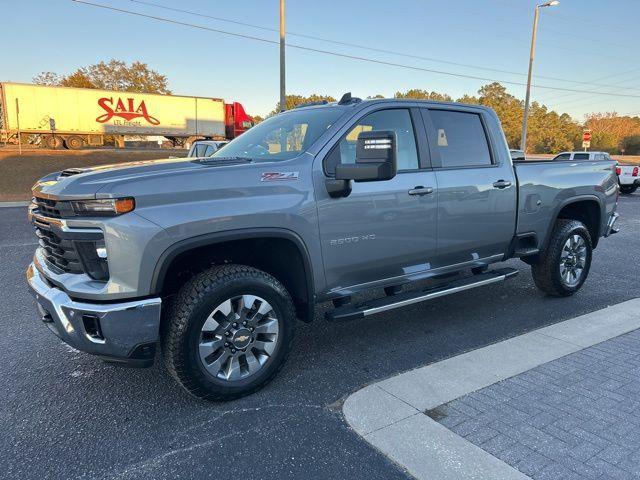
x=459 y=138
x=581 y=156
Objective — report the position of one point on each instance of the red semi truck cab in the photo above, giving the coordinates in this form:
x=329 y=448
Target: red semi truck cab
x=236 y=120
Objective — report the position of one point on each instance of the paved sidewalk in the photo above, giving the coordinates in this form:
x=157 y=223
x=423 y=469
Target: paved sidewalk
x=559 y=403
x=577 y=417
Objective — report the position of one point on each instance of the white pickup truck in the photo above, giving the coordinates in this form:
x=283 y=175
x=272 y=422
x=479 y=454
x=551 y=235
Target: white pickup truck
x=628 y=178
x=628 y=175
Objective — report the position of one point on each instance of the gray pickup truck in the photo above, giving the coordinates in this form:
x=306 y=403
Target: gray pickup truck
x=214 y=259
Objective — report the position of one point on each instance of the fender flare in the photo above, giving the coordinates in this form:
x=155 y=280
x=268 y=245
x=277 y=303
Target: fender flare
x=569 y=201
x=182 y=246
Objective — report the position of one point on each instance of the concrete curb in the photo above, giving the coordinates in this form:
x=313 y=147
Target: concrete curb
x=389 y=414
x=13 y=204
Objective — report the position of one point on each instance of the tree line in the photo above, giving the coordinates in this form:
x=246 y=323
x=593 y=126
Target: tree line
x=548 y=130
x=112 y=75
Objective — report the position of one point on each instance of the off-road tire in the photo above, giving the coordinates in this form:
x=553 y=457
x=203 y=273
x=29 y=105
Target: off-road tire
x=546 y=270
x=628 y=189
x=187 y=312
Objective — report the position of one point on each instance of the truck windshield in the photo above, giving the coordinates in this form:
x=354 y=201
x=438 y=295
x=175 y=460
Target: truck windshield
x=283 y=136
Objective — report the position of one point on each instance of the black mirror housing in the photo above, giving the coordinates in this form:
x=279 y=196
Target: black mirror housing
x=376 y=158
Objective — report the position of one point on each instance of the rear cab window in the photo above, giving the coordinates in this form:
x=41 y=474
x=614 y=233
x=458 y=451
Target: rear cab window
x=458 y=138
x=200 y=149
x=209 y=150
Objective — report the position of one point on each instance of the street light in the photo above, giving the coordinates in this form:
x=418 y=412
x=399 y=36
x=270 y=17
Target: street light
x=552 y=3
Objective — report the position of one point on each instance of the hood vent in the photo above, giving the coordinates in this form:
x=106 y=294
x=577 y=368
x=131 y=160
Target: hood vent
x=69 y=172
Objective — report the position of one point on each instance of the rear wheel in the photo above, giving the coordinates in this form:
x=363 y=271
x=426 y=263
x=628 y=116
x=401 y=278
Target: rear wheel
x=228 y=332
x=51 y=141
x=563 y=267
x=628 y=189
x=74 y=142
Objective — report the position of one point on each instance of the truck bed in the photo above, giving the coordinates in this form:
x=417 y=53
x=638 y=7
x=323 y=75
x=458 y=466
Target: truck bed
x=545 y=188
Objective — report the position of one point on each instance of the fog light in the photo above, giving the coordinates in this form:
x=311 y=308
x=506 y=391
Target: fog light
x=101 y=252
x=92 y=327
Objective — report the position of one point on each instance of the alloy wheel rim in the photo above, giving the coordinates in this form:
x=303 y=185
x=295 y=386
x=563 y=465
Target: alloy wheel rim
x=573 y=260
x=238 y=337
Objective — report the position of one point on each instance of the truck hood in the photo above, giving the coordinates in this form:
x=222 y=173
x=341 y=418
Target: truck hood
x=76 y=183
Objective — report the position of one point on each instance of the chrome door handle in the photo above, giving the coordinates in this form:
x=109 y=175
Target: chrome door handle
x=501 y=184
x=419 y=190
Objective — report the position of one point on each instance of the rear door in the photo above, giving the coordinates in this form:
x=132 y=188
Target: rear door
x=476 y=189
x=383 y=231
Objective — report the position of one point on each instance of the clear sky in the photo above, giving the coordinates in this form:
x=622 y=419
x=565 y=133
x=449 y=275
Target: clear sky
x=589 y=41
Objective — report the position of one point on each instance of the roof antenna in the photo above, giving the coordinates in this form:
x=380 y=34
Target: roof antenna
x=346 y=99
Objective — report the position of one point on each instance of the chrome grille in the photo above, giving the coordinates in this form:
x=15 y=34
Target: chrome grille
x=59 y=253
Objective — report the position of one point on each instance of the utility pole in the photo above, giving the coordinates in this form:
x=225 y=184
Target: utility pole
x=283 y=95
x=18 y=125
x=532 y=53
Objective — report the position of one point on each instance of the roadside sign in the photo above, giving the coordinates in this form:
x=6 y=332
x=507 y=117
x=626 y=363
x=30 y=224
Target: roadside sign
x=586 y=139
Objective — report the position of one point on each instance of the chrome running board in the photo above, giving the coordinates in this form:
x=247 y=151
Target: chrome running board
x=379 y=305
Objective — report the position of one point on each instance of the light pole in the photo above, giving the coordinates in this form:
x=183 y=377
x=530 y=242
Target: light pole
x=283 y=96
x=552 y=3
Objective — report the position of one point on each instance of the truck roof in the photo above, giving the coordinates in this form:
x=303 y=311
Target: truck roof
x=372 y=101
x=581 y=151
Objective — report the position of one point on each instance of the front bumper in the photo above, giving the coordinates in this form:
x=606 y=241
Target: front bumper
x=126 y=332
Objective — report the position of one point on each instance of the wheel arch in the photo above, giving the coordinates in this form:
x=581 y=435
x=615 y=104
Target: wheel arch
x=587 y=209
x=283 y=255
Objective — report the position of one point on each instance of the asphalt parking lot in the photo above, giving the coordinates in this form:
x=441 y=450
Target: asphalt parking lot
x=67 y=415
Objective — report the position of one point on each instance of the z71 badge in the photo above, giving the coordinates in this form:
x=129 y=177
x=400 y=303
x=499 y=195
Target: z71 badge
x=276 y=176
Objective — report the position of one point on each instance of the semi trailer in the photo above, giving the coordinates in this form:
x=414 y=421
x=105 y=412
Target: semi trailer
x=56 y=117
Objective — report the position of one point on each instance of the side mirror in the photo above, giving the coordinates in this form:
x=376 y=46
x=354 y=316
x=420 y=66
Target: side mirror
x=375 y=158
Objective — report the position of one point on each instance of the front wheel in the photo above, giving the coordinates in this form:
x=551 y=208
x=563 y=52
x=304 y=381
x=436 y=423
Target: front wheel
x=228 y=332
x=563 y=267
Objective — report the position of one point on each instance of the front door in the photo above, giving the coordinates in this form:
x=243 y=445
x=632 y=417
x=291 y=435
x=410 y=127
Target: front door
x=384 y=231
x=476 y=190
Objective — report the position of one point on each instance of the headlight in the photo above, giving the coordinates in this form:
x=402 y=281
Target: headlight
x=104 y=207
